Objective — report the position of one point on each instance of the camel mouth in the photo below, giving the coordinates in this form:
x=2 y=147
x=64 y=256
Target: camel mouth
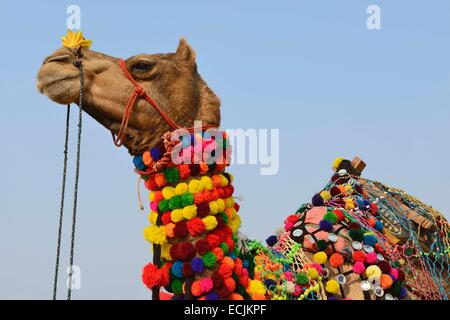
x=45 y=84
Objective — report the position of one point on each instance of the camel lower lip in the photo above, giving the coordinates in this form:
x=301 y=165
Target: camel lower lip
x=44 y=85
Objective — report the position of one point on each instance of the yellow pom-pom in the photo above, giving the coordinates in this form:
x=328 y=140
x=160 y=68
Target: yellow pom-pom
x=348 y=189
x=229 y=202
x=320 y=257
x=176 y=215
x=181 y=188
x=373 y=272
x=74 y=39
x=210 y=222
x=168 y=192
x=152 y=217
x=151 y=195
x=223 y=180
x=326 y=195
x=256 y=287
x=313 y=273
x=213 y=207
x=336 y=163
x=165 y=251
x=349 y=203
x=235 y=223
x=189 y=212
x=195 y=186
x=220 y=205
x=332 y=286
x=155 y=234
x=206 y=183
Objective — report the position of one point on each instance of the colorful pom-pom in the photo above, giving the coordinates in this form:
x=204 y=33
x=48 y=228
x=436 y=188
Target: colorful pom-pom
x=320 y=257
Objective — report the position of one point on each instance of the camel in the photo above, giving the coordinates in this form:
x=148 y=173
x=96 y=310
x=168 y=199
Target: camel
x=357 y=239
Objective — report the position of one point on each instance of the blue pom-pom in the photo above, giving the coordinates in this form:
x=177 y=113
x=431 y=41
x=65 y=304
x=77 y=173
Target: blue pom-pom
x=325 y=225
x=155 y=153
x=139 y=163
x=379 y=226
x=231 y=255
x=206 y=135
x=361 y=204
x=272 y=240
x=212 y=296
x=197 y=265
x=177 y=269
x=317 y=200
x=370 y=239
x=403 y=293
x=270 y=284
x=245 y=263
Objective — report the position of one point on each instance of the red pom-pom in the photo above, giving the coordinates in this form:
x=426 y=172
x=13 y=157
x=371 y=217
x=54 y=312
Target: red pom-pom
x=230 y=284
x=184 y=251
x=374 y=209
x=150 y=275
x=202 y=209
x=359 y=256
x=230 y=243
x=158 y=196
x=292 y=218
x=217 y=279
x=236 y=206
x=243 y=280
x=225 y=270
x=213 y=240
x=180 y=229
x=165 y=218
x=340 y=215
x=187 y=270
x=379 y=248
x=202 y=246
x=150 y=183
x=336 y=260
x=164 y=277
x=195 y=226
x=335 y=191
x=184 y=171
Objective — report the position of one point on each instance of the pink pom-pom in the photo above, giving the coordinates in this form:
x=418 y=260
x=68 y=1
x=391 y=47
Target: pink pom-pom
x=394 y=273
x=288 y=276
x=206 y=285
x=359 y=267
x=318 y=267
x=288 y=225
x=371 y=258
x=154 y=206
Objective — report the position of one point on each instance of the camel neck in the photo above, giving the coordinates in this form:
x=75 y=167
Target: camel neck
x=193 y=216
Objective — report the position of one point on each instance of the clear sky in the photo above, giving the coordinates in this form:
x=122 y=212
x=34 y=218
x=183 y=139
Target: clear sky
x=309 y=68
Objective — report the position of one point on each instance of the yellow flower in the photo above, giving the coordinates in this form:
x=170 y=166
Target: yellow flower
x=75 y=39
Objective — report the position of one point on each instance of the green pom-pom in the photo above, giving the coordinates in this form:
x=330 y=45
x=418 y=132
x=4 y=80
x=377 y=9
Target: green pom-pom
x=172 y=175
x=331 y=217
x=322 y=245
x=396 y=288
x=224 y=217
x=357 y=234
x=224 y=247
x=175 y=202
x=302 y=279
x=177 y=286
x=163 y=205
x=209 y=259
x=187 y=199
x=409 y=252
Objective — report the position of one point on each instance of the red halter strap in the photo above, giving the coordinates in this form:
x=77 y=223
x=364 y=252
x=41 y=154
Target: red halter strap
x=140 y=93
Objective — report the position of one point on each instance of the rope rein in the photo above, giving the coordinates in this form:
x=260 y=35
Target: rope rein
x=77 y=63
x=61 y=210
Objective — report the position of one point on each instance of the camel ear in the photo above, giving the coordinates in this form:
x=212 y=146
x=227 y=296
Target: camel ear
x=185 y=53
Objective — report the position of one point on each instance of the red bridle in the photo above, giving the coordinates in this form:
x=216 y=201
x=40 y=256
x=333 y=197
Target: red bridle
x=139 y=92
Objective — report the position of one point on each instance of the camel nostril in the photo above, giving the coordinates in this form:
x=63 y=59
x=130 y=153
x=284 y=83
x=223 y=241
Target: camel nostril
x=60 y=58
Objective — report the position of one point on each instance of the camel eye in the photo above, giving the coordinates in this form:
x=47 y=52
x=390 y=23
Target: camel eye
x=143 y=67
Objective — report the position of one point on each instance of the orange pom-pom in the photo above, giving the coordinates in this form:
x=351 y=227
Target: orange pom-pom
x=258 y=296
x=386 y=281
x=219 y=253
x=160 y=180
x=336 y=260
x=229 y=261
x=372 y=222
x=236 y=296
x=147 y=158
x=230 y=284
x=196 y=288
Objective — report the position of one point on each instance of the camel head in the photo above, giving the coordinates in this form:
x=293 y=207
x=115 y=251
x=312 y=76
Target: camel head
x=171 y=79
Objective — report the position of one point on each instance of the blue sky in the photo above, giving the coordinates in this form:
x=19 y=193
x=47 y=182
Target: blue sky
x=311 y=69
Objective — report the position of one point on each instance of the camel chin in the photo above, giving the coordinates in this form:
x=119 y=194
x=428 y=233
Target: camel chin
x=62 y=92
